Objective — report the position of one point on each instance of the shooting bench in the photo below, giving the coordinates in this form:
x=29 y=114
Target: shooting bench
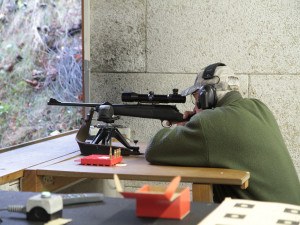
x=16 y=159
x=51 y=165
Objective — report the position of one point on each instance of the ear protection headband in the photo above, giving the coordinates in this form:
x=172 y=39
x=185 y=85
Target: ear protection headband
x=207 y=98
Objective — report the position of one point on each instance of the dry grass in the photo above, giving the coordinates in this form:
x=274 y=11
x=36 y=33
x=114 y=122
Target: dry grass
x=40 y=57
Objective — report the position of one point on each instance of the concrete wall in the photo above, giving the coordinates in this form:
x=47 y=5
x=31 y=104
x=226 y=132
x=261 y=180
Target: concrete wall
x=144 y=45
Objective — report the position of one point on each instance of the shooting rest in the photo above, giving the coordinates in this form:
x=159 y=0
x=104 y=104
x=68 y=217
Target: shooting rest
x=100 y=143
x=108 y=113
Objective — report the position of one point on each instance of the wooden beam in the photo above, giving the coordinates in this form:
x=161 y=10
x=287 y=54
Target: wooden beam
x=34 y=183
x=11 y=176
x=245 y=184
x=202 y=192
x=29 y=181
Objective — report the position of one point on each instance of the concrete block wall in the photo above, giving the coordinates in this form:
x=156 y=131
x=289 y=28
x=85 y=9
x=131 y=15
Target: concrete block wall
x=157 y=45
x=11 y=186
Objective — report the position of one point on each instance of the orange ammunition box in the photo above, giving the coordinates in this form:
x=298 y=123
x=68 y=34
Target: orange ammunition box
x=169 y=202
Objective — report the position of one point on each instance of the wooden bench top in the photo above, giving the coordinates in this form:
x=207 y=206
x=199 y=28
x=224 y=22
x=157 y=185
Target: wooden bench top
x=56 y=158
x=14 y=162
x=137 y=168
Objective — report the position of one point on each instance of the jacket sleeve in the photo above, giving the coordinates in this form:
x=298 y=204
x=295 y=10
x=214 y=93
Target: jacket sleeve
x=182 y=145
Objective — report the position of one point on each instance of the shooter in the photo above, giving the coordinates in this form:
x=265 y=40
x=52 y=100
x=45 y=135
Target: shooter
x=229 y=131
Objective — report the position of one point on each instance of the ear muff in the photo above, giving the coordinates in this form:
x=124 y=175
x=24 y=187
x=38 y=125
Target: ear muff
x=207 y=97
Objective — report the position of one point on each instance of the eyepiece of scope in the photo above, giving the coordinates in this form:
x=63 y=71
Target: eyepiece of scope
x=152 y=98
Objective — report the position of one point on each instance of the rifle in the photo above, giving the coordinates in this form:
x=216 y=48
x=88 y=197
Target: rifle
x=108 y=113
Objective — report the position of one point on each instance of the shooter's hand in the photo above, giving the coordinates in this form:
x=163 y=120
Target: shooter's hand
x=186 y=115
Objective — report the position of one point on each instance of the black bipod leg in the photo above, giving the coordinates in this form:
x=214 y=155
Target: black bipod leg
x=121 y=139
x=100 y=136
x=110 y=134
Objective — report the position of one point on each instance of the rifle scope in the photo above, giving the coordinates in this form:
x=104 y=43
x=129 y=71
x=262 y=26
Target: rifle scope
x=152 y=98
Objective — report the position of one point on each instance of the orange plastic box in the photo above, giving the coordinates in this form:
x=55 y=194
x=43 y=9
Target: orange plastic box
x=100 y=160
x=169 y=202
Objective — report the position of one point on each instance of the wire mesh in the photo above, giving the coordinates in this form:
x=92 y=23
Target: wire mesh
x=40 y=57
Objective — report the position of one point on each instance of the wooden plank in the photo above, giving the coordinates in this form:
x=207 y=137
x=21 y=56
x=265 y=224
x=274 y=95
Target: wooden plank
x=32 y=182
x=63 y=170
x=57 y=160
x=53 y=183
x=11 y=176
x=202 y=192
x=2 y=150
x=14 y=162
x=137 y=168
x=245 y=185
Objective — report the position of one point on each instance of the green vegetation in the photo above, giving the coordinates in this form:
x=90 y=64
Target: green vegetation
x=40 y=57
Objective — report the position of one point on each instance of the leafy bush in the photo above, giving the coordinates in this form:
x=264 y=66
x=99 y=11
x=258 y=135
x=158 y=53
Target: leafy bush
x=40 y=57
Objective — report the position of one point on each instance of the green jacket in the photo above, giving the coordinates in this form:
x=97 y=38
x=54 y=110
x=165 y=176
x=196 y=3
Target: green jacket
x=238 y=134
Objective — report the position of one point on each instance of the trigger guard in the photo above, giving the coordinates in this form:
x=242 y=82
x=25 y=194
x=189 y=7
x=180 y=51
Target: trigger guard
x=162 y=124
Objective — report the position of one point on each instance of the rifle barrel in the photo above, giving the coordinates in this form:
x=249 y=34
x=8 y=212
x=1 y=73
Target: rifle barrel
x=53 y=101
